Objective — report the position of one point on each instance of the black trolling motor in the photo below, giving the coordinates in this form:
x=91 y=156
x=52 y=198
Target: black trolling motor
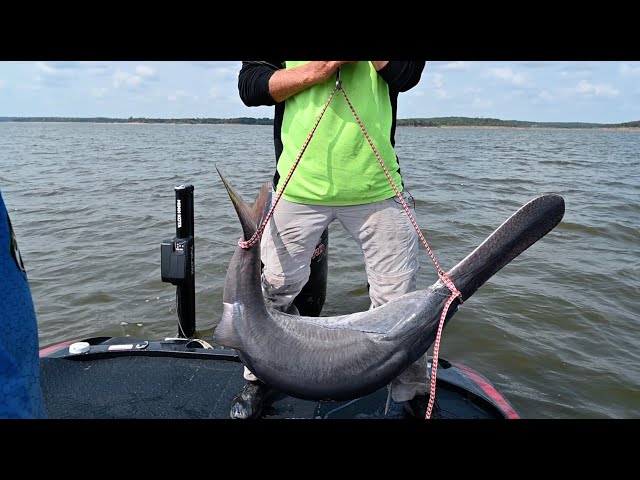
x=177 y=257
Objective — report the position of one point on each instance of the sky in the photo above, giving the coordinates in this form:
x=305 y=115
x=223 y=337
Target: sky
x=539 y=91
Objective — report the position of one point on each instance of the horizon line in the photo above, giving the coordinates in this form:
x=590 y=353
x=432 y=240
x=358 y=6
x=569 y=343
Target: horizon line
x=59 y=117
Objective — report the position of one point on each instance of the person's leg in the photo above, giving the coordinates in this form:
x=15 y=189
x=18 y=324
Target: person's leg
x=389 y=243
x=287 y=245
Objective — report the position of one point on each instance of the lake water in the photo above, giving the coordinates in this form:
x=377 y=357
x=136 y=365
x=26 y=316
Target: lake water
x=557 y=330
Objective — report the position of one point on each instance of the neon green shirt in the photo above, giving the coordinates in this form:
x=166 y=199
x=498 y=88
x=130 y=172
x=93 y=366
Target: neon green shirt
x=339 y=166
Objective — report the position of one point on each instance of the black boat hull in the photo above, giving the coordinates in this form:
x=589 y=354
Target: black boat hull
x=125 y=378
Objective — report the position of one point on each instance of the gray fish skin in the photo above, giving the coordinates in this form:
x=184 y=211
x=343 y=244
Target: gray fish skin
x=348 y=356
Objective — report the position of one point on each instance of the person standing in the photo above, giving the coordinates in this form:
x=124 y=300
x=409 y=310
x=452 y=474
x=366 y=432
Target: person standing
x=338 y=177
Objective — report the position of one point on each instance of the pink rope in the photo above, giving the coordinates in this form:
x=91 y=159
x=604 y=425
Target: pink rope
x=441 y=274
x=455 y=293
x=260 y=231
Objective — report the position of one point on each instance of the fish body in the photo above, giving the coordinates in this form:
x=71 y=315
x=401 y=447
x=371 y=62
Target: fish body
x=349 y=356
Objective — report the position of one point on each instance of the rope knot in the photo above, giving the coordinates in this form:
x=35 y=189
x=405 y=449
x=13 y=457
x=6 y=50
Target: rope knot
x=244 y=244
x=446 y=279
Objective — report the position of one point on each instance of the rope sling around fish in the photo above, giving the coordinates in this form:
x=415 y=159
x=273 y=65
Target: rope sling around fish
x=455 y=293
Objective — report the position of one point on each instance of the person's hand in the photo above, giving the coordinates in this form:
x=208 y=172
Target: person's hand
x=284 y=83
x=323 y=70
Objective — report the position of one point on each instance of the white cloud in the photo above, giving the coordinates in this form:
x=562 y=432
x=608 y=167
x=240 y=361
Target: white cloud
x=98 y=92
x=216 y=92
x=457 y=66
x=144 y=71
x=218 y=64
x=46 y=69
x=166 y=88
x=135 y=80
x=630 y=69
x=226 y=73
x=506 y=74
x=125 y=79
x=58 y=69
x=95 y=69
x=593 y=90
x=436 y=86
x=539 y=64
x=442 y=94
x=574 y=73
x=179 y=95
x=546 y=96
x=48 y=75
x=481 y=103
x=437 y=80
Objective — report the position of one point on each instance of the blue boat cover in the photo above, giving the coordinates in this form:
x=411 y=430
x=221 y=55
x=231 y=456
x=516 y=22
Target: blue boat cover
x=20 y=391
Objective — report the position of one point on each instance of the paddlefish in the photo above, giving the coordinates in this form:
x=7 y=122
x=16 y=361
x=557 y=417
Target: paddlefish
x=345 y=357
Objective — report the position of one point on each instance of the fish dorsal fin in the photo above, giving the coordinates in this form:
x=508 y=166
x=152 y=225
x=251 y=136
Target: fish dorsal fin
x=250 y=215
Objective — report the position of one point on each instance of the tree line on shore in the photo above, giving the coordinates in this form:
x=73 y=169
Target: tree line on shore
x=406 y=122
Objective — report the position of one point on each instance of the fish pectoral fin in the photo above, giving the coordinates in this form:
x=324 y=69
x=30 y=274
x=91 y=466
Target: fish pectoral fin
x=225 y=333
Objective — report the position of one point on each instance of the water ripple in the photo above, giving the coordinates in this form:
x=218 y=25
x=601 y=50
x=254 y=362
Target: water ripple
x=556 y=330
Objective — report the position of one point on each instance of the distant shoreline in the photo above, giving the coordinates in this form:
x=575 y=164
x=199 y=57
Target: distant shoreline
x=474 y=127
x=435 y=122
x=487 y=127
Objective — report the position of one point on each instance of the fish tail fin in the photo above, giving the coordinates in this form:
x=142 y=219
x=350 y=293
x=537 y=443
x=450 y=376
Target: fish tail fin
x=250 y=215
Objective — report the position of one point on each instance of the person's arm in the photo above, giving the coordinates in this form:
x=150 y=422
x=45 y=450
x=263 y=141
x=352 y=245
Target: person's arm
x=253 y=82
x=400 y=75
x=285 y=83
x=267 y=83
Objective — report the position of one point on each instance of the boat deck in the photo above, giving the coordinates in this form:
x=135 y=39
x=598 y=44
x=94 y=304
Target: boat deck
x=182 y=380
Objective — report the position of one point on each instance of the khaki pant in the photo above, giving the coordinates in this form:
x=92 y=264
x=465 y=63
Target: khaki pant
x=388 y=241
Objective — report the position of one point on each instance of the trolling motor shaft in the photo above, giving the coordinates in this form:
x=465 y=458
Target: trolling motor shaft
x=177 y=262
